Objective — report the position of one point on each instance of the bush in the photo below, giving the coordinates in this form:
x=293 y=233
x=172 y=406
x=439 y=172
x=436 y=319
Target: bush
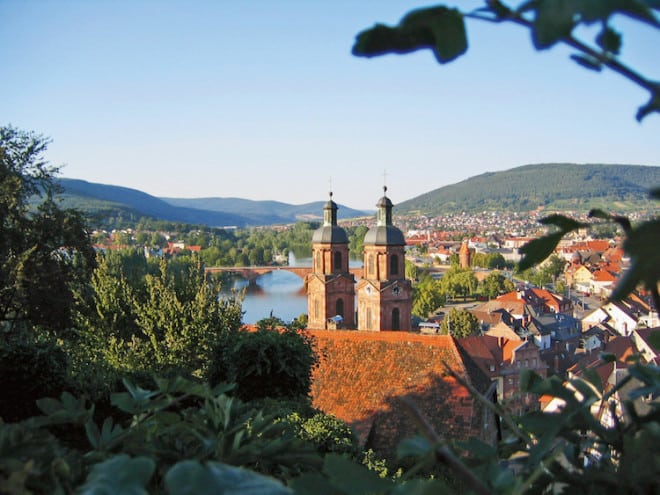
x=264 y=363
x=30 y=370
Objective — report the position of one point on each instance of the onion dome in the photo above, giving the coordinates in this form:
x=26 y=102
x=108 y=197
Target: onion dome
x=384 y=233
x=330 y=232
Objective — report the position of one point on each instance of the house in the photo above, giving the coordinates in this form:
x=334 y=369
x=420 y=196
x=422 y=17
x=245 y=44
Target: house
x=616 y=384
x=501 y=360
x=602 y=283
x=363 y=375
x=616 y=314
x=579 y=276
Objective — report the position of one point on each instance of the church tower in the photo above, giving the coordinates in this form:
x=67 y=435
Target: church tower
x=384 y=294
x=330 y=286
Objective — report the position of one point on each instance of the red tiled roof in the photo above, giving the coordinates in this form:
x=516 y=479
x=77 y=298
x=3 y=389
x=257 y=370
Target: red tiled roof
x=603 y=276
x=361 y=375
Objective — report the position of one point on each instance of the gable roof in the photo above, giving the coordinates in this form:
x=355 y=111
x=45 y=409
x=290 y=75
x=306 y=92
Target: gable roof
x=362 y=374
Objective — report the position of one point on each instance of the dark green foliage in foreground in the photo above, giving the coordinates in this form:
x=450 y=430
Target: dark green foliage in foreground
x=268 y=362
x=180 y=434
x=30 y=370
x=45 y=253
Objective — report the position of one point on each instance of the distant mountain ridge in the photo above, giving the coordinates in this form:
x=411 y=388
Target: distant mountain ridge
x=103 y=200
x=552 y=186
x=558 y=187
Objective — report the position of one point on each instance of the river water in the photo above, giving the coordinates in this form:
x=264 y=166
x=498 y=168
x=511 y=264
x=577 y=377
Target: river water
x=279 y=293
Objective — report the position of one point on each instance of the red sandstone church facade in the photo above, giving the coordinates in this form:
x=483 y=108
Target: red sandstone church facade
x=384 y=295
x=363 y=374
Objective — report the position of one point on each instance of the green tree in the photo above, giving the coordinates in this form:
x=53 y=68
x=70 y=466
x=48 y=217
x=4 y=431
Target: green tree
x=427 y=297
x=495 y=284
x=273 y=361
x=412 y=271
x=553 y=266
x=459 y=282
x=164 y=320
x=45 y=251
x=459 y=323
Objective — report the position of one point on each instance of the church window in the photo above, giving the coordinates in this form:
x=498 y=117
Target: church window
x=370 y=265
x=396 y=324
x=339 y=306
x=337 y=261
x=369 y=324
x=317 y=308
x=318 y=260
x=394 y=265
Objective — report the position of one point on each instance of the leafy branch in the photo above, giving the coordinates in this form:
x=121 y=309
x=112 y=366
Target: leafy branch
x=442 y=30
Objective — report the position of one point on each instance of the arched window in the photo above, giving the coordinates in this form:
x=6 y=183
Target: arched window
x=396 y=324
x=317 y=308
x=339 y=307
x=369 y=324
x=318 y=260
x=370 y=265
x=337 y=262
x=394 y=265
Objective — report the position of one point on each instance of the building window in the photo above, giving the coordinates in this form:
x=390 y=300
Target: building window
x=396 y=325
x=369 y=324
x=394 y=265
x=317 y=308
x=337 y=261
x=370 y=265
x=339 y=307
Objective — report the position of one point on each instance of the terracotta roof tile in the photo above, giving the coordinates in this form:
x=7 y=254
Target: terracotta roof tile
x=362 y=374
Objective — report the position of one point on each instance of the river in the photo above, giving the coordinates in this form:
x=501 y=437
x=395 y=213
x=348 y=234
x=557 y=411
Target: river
x=279 y=292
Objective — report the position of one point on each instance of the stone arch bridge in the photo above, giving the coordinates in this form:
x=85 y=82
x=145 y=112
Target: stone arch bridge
x=252 y=273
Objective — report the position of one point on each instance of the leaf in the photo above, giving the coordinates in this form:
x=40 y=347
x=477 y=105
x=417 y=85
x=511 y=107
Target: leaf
x=528 y=379
x=554 y=20
x=654 y=193
x=416 y=446
x=609 y=40
x=120 y=474
x=353 y=478
x=588 y=62
x=565 y=223
x=642 y=247
x=653 y=104
x=193 y=478
x=439 y=29
x=536 y=250
x=93 y=434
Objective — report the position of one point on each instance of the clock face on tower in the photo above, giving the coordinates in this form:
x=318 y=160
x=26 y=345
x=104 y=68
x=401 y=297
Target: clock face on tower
x=368 y=289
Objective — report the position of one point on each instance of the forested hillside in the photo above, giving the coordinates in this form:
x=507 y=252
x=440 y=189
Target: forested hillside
x=551 y=186
x=102 y=201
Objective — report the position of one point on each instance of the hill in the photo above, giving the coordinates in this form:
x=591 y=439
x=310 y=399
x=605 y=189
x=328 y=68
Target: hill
x=258 y=209
x=551 y=186
x=102 y=201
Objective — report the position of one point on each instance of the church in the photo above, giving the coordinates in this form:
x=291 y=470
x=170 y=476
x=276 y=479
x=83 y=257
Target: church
x=363 y=374
x=384 y=295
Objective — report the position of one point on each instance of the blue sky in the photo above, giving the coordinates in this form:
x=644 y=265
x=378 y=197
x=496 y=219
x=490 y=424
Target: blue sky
x=263 y=99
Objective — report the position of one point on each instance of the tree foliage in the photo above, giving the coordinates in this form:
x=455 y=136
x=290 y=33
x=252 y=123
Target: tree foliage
x=144 y=318
x=45 y=253
x=443 y=31
x=495 y=284
x=428 y=296
x=274 y=362
x=459 y=282
x=459 y=323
